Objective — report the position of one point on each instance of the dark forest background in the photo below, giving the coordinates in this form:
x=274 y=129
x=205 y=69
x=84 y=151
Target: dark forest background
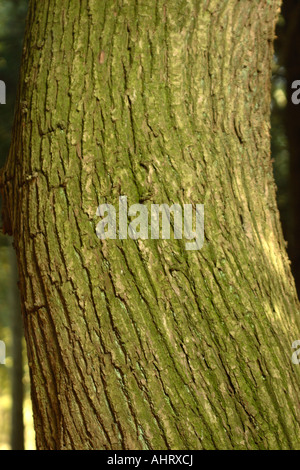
x=16 y=429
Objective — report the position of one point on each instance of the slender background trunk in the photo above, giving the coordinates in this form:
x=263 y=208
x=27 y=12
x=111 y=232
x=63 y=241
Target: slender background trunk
x=290 y=60
x=17 y=422
x=142 y=344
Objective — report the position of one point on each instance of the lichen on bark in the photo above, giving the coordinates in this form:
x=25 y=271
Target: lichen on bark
x=142 y=344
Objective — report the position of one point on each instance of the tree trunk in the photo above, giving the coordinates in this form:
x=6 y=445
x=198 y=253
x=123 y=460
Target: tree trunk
x=17 y=420
x=141 y=344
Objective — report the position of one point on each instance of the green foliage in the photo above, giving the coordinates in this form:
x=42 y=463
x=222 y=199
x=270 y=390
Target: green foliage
x=279 y=144
x=12 y=21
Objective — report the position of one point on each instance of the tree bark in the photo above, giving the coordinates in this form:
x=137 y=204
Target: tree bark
x=142 y=344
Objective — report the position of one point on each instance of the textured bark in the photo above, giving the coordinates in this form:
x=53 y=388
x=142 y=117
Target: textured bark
x=142 y=344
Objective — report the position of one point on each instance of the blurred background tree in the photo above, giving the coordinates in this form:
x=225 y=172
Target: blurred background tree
x=285 y=128
x=15 y=406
